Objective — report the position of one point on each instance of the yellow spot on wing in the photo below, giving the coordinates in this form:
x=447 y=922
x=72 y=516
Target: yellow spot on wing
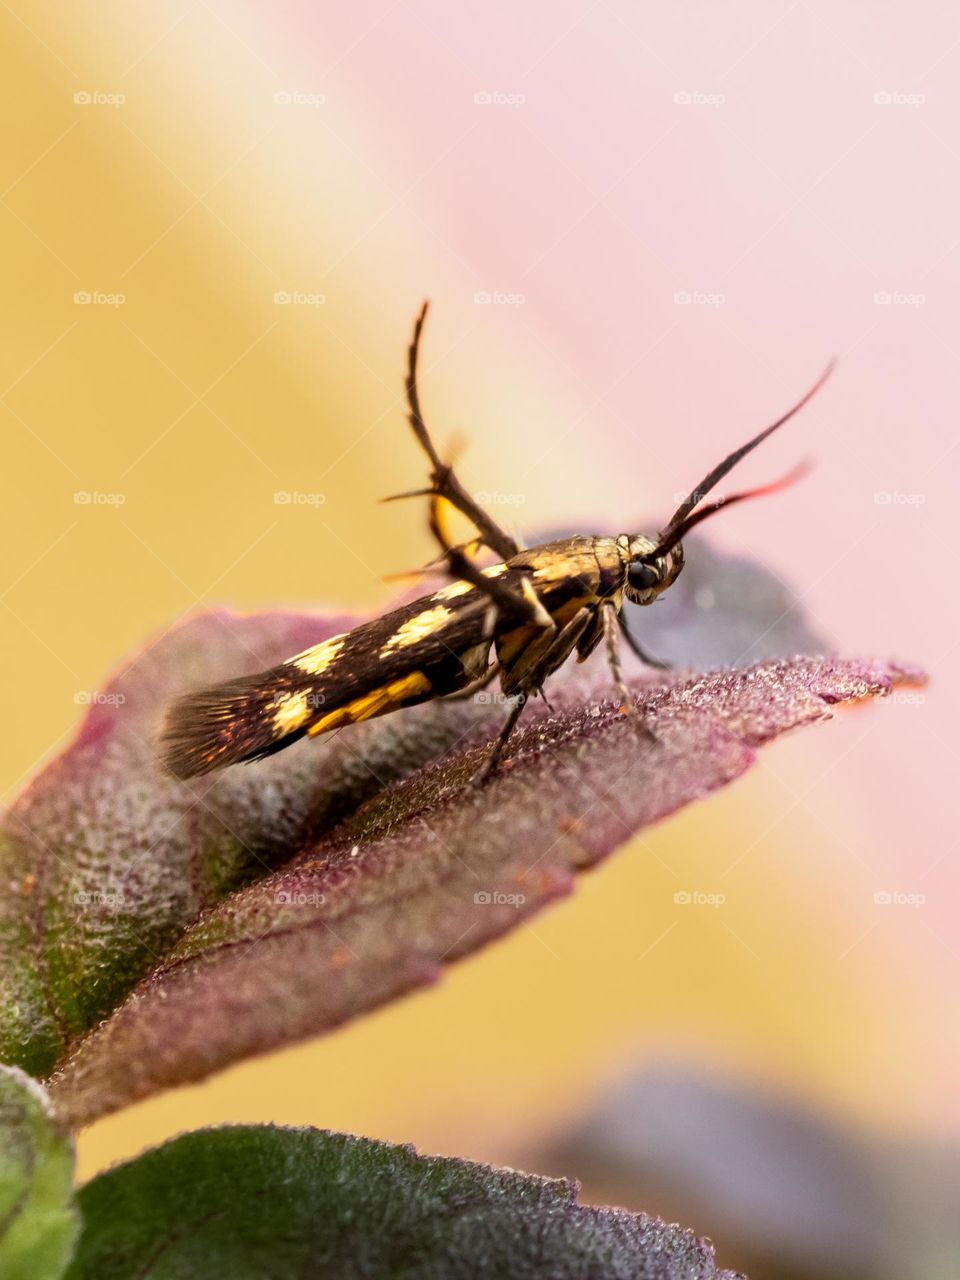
x=293 y=711
x=452 y=590
x=386 y=698
x=316 y=660
x=417 y=628
x=460 y=588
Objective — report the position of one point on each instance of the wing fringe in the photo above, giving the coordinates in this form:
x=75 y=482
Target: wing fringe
x=240 y=720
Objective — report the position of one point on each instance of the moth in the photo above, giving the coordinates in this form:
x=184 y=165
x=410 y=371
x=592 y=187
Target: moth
x=517 y=620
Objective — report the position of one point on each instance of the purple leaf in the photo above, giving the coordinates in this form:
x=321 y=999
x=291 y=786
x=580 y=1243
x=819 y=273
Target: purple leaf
x=276 y=900
x=430 y=868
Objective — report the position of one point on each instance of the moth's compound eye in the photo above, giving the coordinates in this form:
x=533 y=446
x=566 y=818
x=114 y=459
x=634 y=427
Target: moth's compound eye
x=642 y=577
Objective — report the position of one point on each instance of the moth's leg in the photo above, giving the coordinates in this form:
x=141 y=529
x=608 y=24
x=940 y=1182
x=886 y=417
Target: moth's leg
x=613 y=658
x=591 y=637
x=527 y=657
x=489 y=766
x=647 y=658
x=443 y=480
x=475 y=685
x=610 y=616
x=558 y=651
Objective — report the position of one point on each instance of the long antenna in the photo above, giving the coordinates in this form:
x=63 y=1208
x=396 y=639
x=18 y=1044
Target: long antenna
x=696 y=496
x=676 y=532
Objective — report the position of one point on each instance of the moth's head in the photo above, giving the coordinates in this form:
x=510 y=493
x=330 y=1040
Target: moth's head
x=647 y=572
x=653 y=564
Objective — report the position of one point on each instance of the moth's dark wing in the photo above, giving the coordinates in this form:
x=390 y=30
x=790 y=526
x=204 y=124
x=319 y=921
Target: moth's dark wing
x=432 y=647
x=422 y=650
x=241 y=719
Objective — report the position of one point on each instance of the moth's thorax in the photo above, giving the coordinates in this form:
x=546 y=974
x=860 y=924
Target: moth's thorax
x=611 y=564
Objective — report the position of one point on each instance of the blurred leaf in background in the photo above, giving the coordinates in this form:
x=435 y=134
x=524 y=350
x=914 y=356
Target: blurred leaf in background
x=792 y=1192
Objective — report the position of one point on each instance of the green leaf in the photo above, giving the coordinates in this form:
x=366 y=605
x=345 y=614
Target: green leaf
x=256 y=1202
x=38 y=1222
